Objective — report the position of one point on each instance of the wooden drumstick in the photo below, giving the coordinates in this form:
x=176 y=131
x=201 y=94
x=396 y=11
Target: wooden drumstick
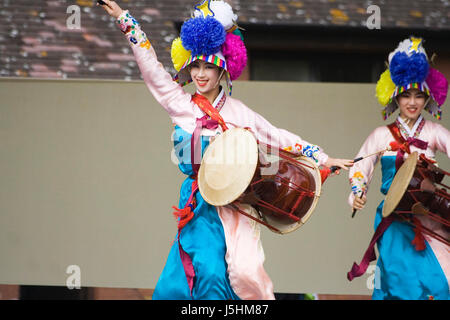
x=393 y=146
x=354 y=210
x=334 y=168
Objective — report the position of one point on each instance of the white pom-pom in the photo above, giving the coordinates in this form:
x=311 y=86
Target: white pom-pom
x=405 y=46
x=223 y=12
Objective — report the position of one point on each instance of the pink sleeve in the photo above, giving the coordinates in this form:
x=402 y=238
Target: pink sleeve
x=288 y=141
x=442 y=139
x=361 y=173
x=166 y=91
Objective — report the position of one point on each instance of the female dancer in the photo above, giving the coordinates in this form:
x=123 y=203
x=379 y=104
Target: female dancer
x=217 y=253
x=411 y=85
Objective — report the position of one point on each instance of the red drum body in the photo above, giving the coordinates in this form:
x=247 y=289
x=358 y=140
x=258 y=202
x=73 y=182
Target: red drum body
x=417 y=188
x=286 y=196
x=283 y=189
x=422 y=188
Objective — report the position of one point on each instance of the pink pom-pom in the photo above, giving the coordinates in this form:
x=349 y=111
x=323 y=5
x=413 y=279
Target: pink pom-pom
x=235 y=54
x=438 y=85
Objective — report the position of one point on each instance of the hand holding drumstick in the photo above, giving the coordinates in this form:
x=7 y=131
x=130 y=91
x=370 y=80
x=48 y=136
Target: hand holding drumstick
x=111 y=7
x=359 y=202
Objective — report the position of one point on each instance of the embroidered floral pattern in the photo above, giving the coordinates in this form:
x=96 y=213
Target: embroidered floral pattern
x=358 y=183
x=310 y=151
x=130 y=27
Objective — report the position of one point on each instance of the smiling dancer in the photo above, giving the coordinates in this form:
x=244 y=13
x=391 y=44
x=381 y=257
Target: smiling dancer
x=217 y=253
x=406 y=271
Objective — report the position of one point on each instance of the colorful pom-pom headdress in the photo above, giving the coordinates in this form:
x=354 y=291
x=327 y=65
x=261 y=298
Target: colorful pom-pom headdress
x=409 y=68
x=210 y=35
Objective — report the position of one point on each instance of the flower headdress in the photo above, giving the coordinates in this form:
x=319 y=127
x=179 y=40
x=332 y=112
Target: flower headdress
x=210 y=35
x=409 y=68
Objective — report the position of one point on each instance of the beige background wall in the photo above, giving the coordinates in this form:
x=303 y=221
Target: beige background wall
x=86 y=179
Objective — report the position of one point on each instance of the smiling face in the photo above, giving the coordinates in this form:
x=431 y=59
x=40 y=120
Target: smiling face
x=411 y=103
x=205 y=76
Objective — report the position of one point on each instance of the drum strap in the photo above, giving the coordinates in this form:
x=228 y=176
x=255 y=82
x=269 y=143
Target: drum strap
x=203 y=103
x=203 y=122
x=418 y=240
x=186 y=214
x=405 y=144
x=370 y=255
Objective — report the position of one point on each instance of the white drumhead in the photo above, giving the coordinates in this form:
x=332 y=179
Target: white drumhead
x=228 y=166
x=400 y=184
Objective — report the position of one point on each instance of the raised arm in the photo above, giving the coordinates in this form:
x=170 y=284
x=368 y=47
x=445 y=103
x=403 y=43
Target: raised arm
x=166 y=91
x=360 y=175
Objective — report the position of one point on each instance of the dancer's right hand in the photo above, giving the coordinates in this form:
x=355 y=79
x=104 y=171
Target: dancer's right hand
x=359 y=203
x=112 y=8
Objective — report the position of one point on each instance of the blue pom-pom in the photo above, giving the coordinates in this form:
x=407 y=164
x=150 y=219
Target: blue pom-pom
x=203 y=35
x=406 y=69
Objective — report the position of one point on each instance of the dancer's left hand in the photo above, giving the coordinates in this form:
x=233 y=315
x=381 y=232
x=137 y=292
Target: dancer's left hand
x=341 y=163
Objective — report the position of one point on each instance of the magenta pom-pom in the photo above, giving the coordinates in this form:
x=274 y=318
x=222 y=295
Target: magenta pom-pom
x=438 y=85
x=235 y=54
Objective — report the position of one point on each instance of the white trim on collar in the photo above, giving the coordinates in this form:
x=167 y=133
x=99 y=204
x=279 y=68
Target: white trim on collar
x=219 y=97
x=412 y=131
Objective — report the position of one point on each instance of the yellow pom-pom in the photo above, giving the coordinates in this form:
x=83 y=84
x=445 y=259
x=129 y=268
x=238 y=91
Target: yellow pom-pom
x=179 y=54
x=385 y=88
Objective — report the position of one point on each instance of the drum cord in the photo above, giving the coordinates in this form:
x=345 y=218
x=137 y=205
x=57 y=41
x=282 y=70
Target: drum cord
x=255 y=219
x=440 y=192
x=433 y=163
x=426 y=230
x=432 y=215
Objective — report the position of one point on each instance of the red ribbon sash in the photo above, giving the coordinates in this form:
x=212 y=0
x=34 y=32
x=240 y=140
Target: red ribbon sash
x=186 y=214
